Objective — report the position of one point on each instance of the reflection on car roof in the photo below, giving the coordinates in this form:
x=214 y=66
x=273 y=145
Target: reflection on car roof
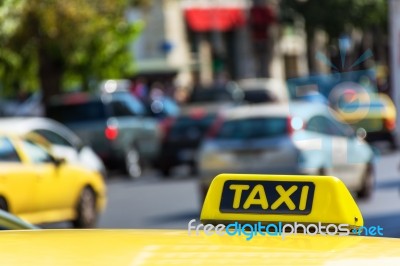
x=176 y=247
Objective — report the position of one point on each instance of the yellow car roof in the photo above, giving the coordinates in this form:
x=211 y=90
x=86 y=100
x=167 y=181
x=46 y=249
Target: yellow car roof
x=174 y=247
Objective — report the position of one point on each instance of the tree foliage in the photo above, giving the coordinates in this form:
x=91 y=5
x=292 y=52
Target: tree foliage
x=49 y=44
x=337 y=16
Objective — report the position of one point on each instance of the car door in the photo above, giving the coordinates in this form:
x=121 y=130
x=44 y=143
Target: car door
x=357 y=154
x=17 y=179
x=331 y=145
x=335 y=145
x=51 y=186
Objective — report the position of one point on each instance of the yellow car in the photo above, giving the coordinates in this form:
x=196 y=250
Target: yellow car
x=40 y=188
x=241 y=200
x=375 y=113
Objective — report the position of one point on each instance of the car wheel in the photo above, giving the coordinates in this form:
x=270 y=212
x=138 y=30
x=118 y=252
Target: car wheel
x=86 y=210
x=3 y=204
x=133 y=163
x=368 y=184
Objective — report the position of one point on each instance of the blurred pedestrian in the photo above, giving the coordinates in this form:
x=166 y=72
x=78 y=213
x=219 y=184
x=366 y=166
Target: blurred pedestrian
x=156 y=91
x=139 y=88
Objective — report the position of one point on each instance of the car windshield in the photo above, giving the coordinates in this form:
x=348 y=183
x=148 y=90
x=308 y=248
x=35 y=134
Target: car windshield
x=253 y=128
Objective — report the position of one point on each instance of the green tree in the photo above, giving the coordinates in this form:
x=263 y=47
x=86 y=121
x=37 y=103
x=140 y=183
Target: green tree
x=49 y=43
x=337 y=17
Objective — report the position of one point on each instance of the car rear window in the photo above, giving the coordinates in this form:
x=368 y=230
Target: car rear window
x=259 y=96
x=77 y=112
x=186 y=126
x=225 y=92
x=253 y=128
x=211 y=95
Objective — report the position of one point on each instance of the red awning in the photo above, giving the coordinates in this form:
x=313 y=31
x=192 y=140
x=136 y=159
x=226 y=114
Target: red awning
x=220 y=19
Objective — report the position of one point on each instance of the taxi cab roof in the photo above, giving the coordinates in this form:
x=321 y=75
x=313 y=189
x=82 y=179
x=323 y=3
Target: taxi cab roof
x=176 y=247
x=297 y=108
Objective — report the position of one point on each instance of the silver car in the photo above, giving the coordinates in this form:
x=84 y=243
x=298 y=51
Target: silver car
x=295 y=138
x=64 y=143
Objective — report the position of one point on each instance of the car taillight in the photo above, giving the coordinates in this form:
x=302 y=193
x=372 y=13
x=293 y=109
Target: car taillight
x=197 y=113
x=76 y=98
x=165 y=126
x=390 y=124
x=215 y=127
x=294 y=124
x=111 y=132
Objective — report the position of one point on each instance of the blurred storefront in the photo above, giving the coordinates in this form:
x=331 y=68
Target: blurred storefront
x=161 y=51
x=243 y=39
x=214 y=29
x=191 y=41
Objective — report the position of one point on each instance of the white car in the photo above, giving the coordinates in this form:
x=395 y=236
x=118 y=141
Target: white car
x=291 y=138
x=64 y=143
x=263 y=90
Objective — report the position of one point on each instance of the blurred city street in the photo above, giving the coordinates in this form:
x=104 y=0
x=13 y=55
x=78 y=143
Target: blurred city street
x=152 y=202
x=293 y=105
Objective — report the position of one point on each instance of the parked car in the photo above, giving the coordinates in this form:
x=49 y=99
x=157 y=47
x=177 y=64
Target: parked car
x=64 y=143
x=300 y=138
x=114 y=125
x=182 y=136
x=264 y=90
x=41 y=188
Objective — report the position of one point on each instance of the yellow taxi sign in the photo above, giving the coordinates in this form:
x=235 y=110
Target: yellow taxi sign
x=280 y=198
x=251 y=197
